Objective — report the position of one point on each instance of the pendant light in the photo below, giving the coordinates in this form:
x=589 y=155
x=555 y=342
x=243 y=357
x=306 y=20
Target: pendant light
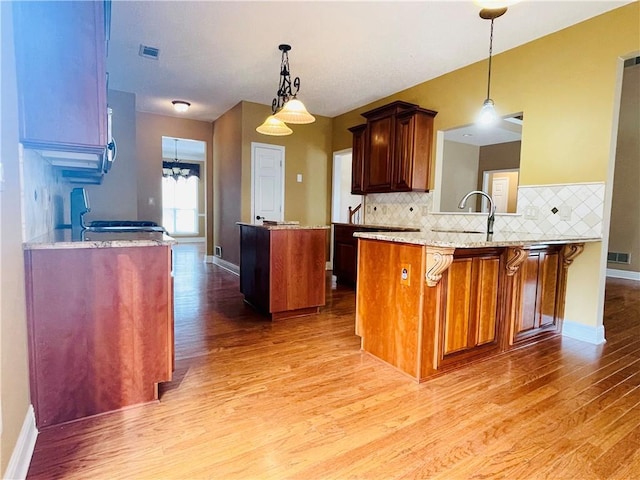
x=488 y=115
x=285 y=106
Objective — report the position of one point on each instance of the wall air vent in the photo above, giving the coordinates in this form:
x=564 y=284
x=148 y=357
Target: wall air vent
x=616 y=257
x=149 y=52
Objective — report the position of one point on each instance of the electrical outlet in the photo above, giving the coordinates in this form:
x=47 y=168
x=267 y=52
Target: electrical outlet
x=368 y=209
x=384 y=209
x=424 y=210
x=405 y=274
x=531 y=213
x=564 y=212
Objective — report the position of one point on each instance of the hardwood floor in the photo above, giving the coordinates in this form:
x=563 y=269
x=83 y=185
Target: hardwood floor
x=254 y=399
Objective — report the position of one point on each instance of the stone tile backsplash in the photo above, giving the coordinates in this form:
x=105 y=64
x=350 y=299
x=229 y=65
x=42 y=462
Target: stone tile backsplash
x=45 y=200
x=566 y=209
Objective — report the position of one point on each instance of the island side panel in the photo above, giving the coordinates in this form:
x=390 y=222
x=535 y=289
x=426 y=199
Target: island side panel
x=297 y=269
x=388 y=307
x=255 y=268
x=99 y=329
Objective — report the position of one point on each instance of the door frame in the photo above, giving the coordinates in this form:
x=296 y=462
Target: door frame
x=255 y=145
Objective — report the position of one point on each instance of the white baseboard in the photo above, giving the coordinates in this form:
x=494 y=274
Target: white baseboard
x=230 y=267
x=23 y=450
x=328 y=266
x=585 y=333
x=625 y=274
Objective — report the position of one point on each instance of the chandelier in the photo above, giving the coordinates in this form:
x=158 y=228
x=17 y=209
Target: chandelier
x=285 y=108
x=177 y=169
x=488 y=115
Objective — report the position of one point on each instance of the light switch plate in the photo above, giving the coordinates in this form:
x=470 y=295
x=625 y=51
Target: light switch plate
x=299 y=178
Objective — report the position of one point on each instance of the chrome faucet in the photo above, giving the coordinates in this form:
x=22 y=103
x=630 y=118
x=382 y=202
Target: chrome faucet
x=492 y=208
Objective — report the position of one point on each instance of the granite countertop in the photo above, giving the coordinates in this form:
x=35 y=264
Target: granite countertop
x=395 y=228
x=61 y=238
x=286 y=226
x=473 y=240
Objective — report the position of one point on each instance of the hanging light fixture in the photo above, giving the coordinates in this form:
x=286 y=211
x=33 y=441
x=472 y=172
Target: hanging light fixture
x=285 y=106
x=178 y=170
x=488 y=115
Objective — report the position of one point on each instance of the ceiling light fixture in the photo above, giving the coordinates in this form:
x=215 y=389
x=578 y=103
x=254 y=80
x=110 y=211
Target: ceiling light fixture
x=488 y=115
x=180 y=106
x=285 y=106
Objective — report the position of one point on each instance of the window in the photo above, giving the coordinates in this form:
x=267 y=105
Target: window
x=180 y=205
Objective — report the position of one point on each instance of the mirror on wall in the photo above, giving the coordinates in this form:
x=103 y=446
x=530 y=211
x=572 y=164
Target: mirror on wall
x=481 y=158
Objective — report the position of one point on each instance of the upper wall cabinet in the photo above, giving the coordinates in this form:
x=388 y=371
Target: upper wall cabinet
x=392 y=152
x=62 y=92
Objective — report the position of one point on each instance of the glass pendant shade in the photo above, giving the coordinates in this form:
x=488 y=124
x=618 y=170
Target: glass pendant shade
x=488 y=115
x=294 y=112
x=275 y=127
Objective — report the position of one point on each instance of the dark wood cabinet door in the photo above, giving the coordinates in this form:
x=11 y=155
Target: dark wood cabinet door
x=60 y=64
x=357 y=159
x=412 y=161
x=378 y=166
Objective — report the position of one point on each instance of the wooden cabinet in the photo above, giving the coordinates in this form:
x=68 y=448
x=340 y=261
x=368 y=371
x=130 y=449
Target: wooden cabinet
x=62 y=92
x=282 y=270
x=395 y=152
x=428 y=309
x=100 y=328
x=535 y=295
x=357 y=159
x=470 y=315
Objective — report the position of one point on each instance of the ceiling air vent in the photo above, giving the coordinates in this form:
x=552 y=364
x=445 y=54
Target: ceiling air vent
x=149 y=52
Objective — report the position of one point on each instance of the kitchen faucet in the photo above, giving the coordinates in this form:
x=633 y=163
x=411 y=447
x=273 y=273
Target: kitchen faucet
x=492 y=208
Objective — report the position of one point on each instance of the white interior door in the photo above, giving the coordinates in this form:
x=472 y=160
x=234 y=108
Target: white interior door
x=267 y=172
x=500 y=193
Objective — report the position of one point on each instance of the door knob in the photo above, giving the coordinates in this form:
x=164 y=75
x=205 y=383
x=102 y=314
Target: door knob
x=258 y=217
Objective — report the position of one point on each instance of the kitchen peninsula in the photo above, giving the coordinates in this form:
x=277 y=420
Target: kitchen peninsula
x=429 y=302
x=282 y=268
x=100 y=321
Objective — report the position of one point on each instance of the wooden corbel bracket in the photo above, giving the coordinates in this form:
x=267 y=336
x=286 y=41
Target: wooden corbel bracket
x=438 y=260
x=515 y=257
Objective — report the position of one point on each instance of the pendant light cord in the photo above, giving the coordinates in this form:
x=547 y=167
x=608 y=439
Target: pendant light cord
x=490 y=52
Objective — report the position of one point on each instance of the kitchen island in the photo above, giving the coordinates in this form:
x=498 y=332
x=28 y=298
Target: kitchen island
x=429 y=302
x=282 y=268
x=100 y=322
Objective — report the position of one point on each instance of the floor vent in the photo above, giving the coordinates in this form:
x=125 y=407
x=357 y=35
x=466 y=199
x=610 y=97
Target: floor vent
x=149 y=52
x=616 y=257
x=217 y=251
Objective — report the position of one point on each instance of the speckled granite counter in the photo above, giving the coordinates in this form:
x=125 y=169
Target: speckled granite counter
x=61 y=239
x=474 y=240
x=286 y=226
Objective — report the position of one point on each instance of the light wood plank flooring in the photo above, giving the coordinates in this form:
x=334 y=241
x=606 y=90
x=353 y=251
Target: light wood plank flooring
x=252 y=399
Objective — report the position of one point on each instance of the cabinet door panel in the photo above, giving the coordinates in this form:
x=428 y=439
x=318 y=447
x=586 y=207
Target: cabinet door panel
x=357 y=159
x=529 y=269
x=550 y=272
x=456 y=333
x=378 y=165
x=404 y=153
x=60 y=62
x=488 y=272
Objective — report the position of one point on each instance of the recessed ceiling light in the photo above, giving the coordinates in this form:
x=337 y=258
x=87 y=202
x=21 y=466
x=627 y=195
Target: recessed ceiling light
x=180 y=106
x=467 y=134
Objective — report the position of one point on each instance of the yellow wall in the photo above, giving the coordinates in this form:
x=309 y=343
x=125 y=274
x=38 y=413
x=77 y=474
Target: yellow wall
x=14 y=381
x=565 y=83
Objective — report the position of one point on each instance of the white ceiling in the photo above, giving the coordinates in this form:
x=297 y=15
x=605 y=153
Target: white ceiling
x=346 y=53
